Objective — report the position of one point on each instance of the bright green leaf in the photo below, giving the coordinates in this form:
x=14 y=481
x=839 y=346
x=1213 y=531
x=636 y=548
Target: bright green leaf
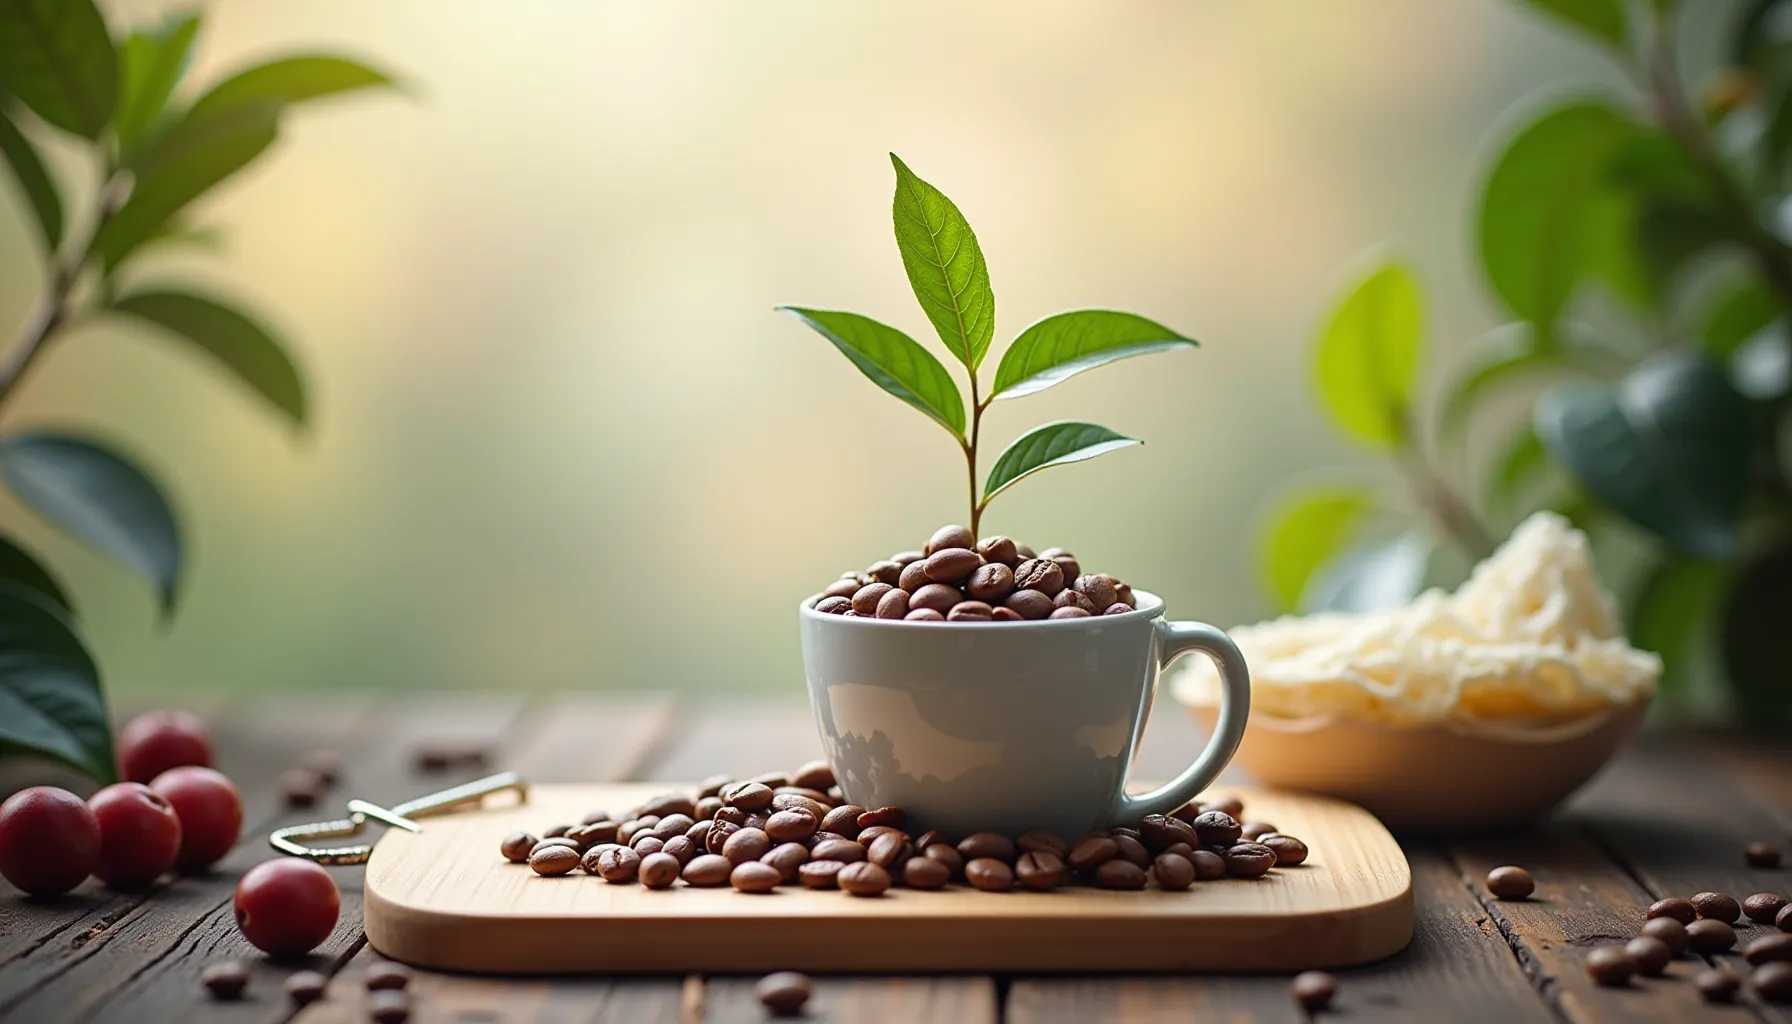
x=243 y=346
x=1305 y=531
x=1743 y=312
x=893 y=360
x=289 y=80
x=1672 y=608
x=150 y=63
x=1369 y=577
x=34 y=181
x=1604 y=20
x=1062 y=346
x=55 y=56
x=100 y=498
x=1054 y=444
x=1368 y=355
x=20 y=569
x=945 y=266
x=50 y=698
x=1510 y=365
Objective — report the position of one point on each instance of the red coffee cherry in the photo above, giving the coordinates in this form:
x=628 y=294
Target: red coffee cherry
x=139 y=834
x=210 y=813
x=49 y=840
x=156 y=741
x=287 y=907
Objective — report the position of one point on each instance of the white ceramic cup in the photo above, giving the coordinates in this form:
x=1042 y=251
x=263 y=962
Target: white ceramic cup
x=1008 y=726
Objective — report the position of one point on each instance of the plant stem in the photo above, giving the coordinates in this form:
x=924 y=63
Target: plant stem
x=53 y=311
x=970 y=456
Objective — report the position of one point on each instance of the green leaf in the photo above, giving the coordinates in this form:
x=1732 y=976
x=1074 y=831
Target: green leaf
x=1604 y=20
x=196 y=155
x=1368 y=355
x=150 y=63
x=1370 y=577
x=1668 y=448
x=239 y=343
x=56 y=57
x=1512 y=364
x=1523 y=461
x=1062 y=346
x=33 y=180
x=893 y=360
x=50 y=698
x=99 y=498
x=289 y=80
x=945 y=266
x=1542 y=225
x=1054 y=444
x=1756 y=617
x=1745 y=311
x=1305 y=531
x=1672 y=607
x=18 y=568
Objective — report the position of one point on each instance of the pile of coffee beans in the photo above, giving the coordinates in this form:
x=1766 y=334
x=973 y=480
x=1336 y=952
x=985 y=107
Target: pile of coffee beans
x=958 y=578
x=1705 y=925
x=797 y=829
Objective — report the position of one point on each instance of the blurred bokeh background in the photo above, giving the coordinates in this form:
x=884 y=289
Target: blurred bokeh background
x=561 y=439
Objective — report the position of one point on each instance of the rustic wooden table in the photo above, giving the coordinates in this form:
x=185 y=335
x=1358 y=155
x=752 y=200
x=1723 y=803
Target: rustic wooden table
x=1670 y=818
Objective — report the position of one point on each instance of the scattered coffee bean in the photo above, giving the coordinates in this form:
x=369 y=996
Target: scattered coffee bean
x=1717 y=906
x=1710 y=936
x=1160 y=831
x=1040 y=870
x=1067 y=563
x=755 y=876
x=1173 y=871
x=863 y=879
x=619 y=865
x=386 y=975
x=300 y=787
x=517 y=846
x=551 y=861
x=717 y=835
x=746 y=844
x=1669 y=931
x=1314 y=990
x=819 y=874
x=1225 y=805
x=1098 y=588
x=660 y=870
x=1128 y=848
x=987 y=844
x=646 y=844
x=876 y=832
x=948 y=537
x=1092 y=851
x=712 y=786
x=890 y=850
x=1775 y=948
x=1651 y=955
x=913 y=576
x=784 y=994
x=843 y=820
x=925 y=873
x=675 y=824
x=886 y=571
x=707 y=807
x=628 y=830
x=1675 y=907
x=928 y=838
x=591 y=856
x=844 y=850
x=1039 y=575
x=707 y=871
x=1249 y=860
x=893 y=605
x=1717 y=985
x=1208 y=865
x=947 y=855
x=788 y=858
x=1183 y=850
x=389 y=1007
x=1029 y=604
x=1510 y=882
x=1289 y=851
x=1120 y=874
x=894 y=817
x=1773 y=982
x=837 y=592
x=1611 y=966
x=865 y=600
x=1763 y=907
x=1040 y=842
x=666 y=805
x=1783 y=919
x=970 y=611
x=305 y=987
x=989 y=874
x=791 y=826
x=225 y=980
x=1762 y=855
x=324 y=763
x=1216 y=828
x=748 y=796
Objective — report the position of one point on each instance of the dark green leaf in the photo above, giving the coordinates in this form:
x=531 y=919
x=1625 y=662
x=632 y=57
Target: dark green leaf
x=1602 y=19
x=1307 y=529
x=1542 y=224
x=239 y=343
x=1054 y=444
x=1762 y=368
x=1062 y=346
x=1759 y=30
x=1668 y=234
x=1523 y=460
x=1652 y=163
x=893 y=360
x=289 y=80
x=18 y=568
x=50 y=698
x=34 y=181
x=1368 y=355
x=1672 y=608
x=1370 y=577
x=150 y=63
x=56 y=57
x=100 y=498
x=1506 y=366
x=1667 y=448
x=945 y=266
x=1741 y=314
x=197 y=154
x=1757 y=620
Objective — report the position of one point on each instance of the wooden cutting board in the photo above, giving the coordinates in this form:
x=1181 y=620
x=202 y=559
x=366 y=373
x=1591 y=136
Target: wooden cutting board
x=444 y=898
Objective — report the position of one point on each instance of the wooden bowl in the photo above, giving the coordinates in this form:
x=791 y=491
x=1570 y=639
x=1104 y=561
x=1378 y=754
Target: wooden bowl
x=1434 y=778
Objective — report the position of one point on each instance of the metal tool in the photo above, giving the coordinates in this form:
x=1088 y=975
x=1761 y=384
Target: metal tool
x=286 y=840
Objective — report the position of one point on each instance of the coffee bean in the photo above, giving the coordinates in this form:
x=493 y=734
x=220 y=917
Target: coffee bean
x=590 y=835
x=884 y=572
x=659 y=870
x=626 y=832
x=590 y=858
x=1674 y=907
x=389 y=1007
x=991 y=583
x=1289 y=850
x=1313 y=990
x=952 y=565
x=1120 y=874
x=1717 y=906
x=1774 y=948
x=1249 y=860
x=438 y=755
x=757 y=819
x=1763 y=907
x=970 y=611
x=517 y=846
x=935 y=597
x=1072 y=599
x=571 y=844
x=1123 y=595
x=1216 y=828
x=844 y=850
x=745 y=845
x=865 y=599
x=893 y=605
x=305 y=987
x=1761 y=855
x=707 y=807
x=1131 y=849
x=1058 y=555
x=1118 y=609
x=1610 y=966
x=667 y=804
x=699 y=833
x=1254 y=830
x=989 y=874
x=863 y=879
x=1710 y=936
x=791 y=826
x=1098 y=588
x=1774 y=982
x=783 y=994
x=619 y=866
x=872 y=834
x=1068 y=613
x=386 y=975
x=928 y=838
x=816 y=775
x=1040 y=575
x=819 y=874
x=987 y=844
x=1510 y=882
x=1040 y=870
x=1173 y=871
x=1029 y=604
x=717 y=836
x=1159 y=831
x=647 y=844
x=843 y=820
x=755 y=876
x=894 y=817
x=748 y=796
x=1001 y=614
x=1669 y=931
x=890 y=850
x=787 y=858
x=225 y=980
x=1092 y=851
x=1187 y=812
x=1225 y=805
x=905 y=558
x=837 y=604
x=1651 y=955
x=1122 y=830
x=948 y=855
x=1039 y=841
x=815 y=801
x=550 y=861
x=914 y=577
x=1182 y=850
x=707 y=871
x=1717 y=985
x=925 y=873
x=1783 y=919
x=949 y=537
x=300 y=787
x=713 y=785
x=924 y=615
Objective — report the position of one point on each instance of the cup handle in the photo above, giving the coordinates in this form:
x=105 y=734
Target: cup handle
x=1174 y=640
